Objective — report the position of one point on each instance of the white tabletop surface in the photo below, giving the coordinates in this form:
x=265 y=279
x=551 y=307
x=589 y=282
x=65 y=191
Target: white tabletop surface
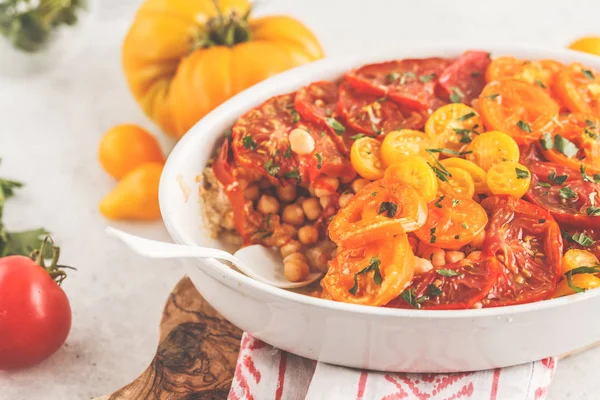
x=50 y=127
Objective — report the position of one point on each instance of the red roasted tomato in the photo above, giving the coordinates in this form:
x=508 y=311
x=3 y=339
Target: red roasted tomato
x=464 y=79
x=528 y=245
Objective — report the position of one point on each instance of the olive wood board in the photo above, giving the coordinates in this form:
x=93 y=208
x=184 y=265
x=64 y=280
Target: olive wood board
x=197 y=353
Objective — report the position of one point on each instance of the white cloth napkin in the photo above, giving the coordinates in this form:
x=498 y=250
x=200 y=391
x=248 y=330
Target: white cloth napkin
x=267 y=373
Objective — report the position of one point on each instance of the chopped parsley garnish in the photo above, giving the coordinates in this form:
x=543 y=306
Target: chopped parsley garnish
x=374 y=264
x=584 y=175
x=249 y=143
x=432 y=233
x=546 y=141
x=447 y=272
x=322 y=133
x=438 y=203
x=374 y=128
x=427 y=78
x=465 y=225
x=434 y=291
x=405 y=76
x=456 y=95
x=559 y=180
x=588 y=74
x=541 y=221
x=475 y=74
x=266 y=235
x=337 y=127
x=579 y=238
x=390 y=207
x=442 y=174
x=373 y=194
x=269 y=221
x=455 y=202
x=590 y=123
x=466 y=116
x=524 y=126
x=565 y=146
x=288 y=152
x=544 y=184
x=358 y=136
x=319 y=160
x=328 y=112
x=272 y=168
x=410 y=297
x=228 y=133
x=293 y=174
x=579 y=270
x=448 y=151
x=492 y=96
x=522 y=173
x=540 y=84
x=392 y=77
x=456 y=236
x=567 y=193
x=593 y=211
x=296 y=116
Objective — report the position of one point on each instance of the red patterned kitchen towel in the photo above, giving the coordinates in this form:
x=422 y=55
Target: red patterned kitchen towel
x=267 y=373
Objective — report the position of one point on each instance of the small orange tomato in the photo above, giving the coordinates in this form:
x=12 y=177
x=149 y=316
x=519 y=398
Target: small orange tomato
x=588 y=44
x=578 y=87
x=579 y=282
x=136 y=195
x=125 y=147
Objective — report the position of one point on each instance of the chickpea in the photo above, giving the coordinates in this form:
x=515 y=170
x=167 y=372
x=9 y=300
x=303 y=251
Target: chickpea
x=308 y=234
x=286 y=193
x=477 y=242
x=295 y=270
x=326 y=201
x=422 y=265
x=319 y=255
x=359 y=184
x=267 y=204
x=293 y=214
x=436 y=256
x=474 y=256
x=293 y=246
x=252 y=192
x=326 y=186
x=345 y=199
x=297 y=256
x=228 y=220
x=413 y=244
x=301 y=141
x=312 y=208
x=243 y=183
x=454 y=256
x=284 y=234
x=477 y=305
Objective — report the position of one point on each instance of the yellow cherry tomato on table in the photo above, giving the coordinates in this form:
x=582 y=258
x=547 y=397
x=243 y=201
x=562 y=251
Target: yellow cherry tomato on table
x=136 y=195
x=406 y=142
x=454 y=125
x=125 y=147
x=458 y=184
x=365 y=156
x=416 y=172
x=491 y=148
x=587 y=44
x=477 y=173
x=509 y=177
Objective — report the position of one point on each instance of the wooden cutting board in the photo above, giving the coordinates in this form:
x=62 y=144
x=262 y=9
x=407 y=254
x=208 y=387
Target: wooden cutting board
x=197 y=353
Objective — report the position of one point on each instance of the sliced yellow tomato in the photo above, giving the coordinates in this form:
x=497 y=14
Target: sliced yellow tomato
x=454 y=125
x=477 y=173
x=405 y=142
x=576 y=258
x=588 y=44
x=509 y=177
x=581 y=281
x=416 y=172
x=365 y=156
x=491 y=148
x=458 y=185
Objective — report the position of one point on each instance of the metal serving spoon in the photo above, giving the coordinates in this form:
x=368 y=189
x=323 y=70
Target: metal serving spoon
x=256 y=261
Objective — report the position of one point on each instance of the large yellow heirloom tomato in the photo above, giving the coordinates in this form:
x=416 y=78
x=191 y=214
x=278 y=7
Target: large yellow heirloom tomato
x=183 y=58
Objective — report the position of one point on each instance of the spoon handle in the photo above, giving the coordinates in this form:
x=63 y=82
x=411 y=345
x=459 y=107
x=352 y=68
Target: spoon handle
x=155 y=249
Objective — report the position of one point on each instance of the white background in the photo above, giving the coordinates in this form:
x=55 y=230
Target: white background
x=50 y=127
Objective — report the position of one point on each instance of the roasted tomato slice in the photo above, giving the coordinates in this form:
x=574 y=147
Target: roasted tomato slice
x=540 y=73
x=373 y=115
x=411 y=82
x=260 y=141
x=579 y=89
x=379 y=210
x=527 y=243
x=224 y=173
x=581 y=239
x=464 y=79
x=564 y=192
x=517 y=108
x=371 y=275
x=450 y=287
x=452 y=223
x=317 y=103
x=573 y=140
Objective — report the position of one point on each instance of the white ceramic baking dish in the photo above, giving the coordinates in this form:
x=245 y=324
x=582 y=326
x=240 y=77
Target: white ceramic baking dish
x=361 y=336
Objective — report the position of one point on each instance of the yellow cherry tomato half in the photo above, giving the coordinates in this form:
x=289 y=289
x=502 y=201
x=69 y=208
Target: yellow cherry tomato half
x=582 y=281
x=454 y=125
x=414 y=171
x=459 y=184
x=509 y=177
x=406 y=142
x=491 y=148
x=365 y=156
x=477 y=173
x=576 y=258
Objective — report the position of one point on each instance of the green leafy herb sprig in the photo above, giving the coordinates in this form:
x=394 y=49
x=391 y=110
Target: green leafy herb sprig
x=29 y=24
x=16 y=243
